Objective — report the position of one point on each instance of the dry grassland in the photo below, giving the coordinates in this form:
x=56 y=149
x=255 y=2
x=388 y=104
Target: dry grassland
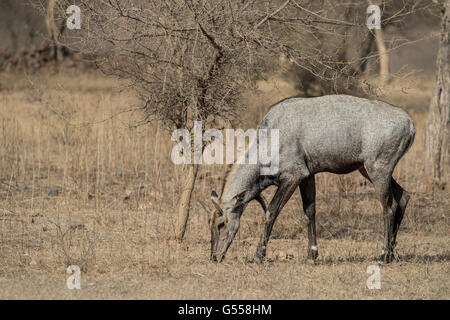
x=103 y=196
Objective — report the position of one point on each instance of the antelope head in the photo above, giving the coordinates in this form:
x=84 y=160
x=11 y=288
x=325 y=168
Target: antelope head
x=224 y=221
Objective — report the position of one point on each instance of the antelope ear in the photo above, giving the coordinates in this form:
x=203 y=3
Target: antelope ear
x=214 y=194
x=215 y=201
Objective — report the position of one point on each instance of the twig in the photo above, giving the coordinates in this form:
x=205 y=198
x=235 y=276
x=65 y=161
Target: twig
x=271 y=15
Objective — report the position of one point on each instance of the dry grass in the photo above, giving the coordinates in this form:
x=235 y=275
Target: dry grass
x=102 y=197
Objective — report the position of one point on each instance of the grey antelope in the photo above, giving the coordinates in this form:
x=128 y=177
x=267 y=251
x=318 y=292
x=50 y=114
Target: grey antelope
x=337 y=134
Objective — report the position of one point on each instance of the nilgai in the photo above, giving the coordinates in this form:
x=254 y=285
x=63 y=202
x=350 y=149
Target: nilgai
x=335 y=133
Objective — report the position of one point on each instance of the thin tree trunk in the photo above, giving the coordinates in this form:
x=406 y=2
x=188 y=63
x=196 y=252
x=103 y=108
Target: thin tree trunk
x=53 y=31
x=437 y=134
x=384 y=56
x=365 y=50
x=185 y=202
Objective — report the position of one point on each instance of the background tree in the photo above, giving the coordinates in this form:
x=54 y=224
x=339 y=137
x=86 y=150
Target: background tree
x=354 y=44
x=438 y=124
x=55 y=27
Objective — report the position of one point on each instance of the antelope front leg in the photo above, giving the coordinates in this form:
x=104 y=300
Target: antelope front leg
x=283 y=194
x=308 y=192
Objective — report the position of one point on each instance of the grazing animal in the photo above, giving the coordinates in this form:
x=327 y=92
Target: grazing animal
x=335 y=133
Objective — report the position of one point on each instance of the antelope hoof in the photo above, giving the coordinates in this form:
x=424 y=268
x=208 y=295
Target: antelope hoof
x=259 y=259
x=386 y=257
x=260 y=255
x=313 y=253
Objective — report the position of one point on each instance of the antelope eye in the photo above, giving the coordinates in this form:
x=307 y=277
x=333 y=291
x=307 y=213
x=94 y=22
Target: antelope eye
x=220 y=225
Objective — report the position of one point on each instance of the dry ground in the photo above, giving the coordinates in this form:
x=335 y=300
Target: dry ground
x=102 y=196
